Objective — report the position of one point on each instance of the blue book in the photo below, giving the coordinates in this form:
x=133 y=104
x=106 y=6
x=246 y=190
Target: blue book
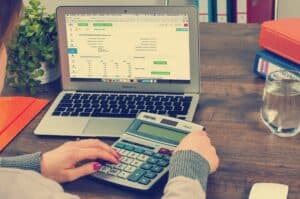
x=267 y=62
x=212 y=8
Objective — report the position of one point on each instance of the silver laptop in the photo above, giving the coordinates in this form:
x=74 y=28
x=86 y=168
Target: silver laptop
x=119 y=61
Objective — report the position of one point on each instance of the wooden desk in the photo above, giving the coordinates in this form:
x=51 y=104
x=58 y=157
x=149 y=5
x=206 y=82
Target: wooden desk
x=229 y=108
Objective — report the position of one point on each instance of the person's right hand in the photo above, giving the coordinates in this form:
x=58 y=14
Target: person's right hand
x=200 y=143
x=60 y=164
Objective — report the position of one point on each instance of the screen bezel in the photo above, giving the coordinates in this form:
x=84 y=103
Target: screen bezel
x=67 y=84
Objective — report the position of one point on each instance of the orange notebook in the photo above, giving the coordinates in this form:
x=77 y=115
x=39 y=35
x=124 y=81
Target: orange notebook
x=15 y=114
x=282 y=37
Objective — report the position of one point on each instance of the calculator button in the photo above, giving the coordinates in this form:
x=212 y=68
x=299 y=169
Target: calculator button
x=136 y=175
x=164 y=151
x=133 y=155
x=120 y=145
x=123 y=174
x=123 y=152
x=144 y=181
x=152 y=160
x=138 y=150
x=121 y=166
x=158 y=155
x=156 y=169
x=129 y=147
x=143 y=157
x=150 y=153
x=130 y=169
x=126 y=160
x=136 y=163
x=104 y=169
x=166 y=157
x=114 y=172
x=146 y=166
x=150 y=174
x=162 y=163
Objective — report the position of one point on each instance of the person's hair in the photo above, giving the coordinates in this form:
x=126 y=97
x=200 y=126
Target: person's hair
x=10 y=14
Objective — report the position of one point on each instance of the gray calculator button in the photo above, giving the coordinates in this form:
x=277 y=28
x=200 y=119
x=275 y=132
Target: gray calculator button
x=156 y=169
x=133 y=155
x=152 y=160
x=121 y=166
x=126 y=160
x=136 y=163
x=163 y=163
x=158 y=155
x=150 y=153
x=130 y=169
x=146 y=166
x=114 y=172
x=105 y=169
x=123 y=174
x=144 y=181
x=136 y=175
x=111 y=165
x=150 y=175
x=123 y=152
x=143 y=157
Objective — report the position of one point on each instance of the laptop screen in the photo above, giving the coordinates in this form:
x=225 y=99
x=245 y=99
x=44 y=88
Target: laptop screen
x=129 y=48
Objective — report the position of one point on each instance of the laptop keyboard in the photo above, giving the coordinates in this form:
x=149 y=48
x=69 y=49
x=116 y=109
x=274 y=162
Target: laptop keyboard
x=121 y=105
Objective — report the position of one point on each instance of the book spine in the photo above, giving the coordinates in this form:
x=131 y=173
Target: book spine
x=203 y=11
x=265 y=65
x=276 y=9
x=211 y=10
x=241 y=11
x=221 y=11
x=259 y=11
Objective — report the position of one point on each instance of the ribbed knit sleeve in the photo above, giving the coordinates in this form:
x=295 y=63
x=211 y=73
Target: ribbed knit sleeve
x=191 y=165
x=27 y=162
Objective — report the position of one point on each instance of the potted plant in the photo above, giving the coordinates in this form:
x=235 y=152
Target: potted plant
x=33 y=57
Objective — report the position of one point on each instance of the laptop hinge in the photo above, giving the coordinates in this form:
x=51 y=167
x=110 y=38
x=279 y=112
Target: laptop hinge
x=175 y=93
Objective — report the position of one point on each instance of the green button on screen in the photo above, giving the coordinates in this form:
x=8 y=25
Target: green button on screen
x=160 y=73
x=83 y=24
x=102 y=24
x=160 y=62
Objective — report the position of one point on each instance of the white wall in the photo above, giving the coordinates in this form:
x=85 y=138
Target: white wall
x=52 y=4
x=288 y=9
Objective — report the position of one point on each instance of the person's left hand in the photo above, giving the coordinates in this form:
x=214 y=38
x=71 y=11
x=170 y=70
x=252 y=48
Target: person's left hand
x=60 y=163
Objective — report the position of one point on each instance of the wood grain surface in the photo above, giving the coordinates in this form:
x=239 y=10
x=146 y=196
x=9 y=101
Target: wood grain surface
x=231 y=97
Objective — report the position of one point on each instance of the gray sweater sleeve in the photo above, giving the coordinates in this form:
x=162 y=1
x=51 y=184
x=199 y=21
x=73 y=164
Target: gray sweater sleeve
x=187 y=177
x=27 y=162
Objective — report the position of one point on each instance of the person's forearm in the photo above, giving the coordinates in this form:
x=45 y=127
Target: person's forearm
x=187 y=177
x=28 y=162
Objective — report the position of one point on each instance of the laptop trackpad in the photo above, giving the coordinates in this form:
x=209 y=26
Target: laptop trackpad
x=108 y=127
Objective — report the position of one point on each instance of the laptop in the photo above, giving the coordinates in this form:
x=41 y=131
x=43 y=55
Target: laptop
x=118 y=61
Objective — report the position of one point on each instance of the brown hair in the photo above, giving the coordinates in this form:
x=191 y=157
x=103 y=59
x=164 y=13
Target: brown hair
x=10 y=14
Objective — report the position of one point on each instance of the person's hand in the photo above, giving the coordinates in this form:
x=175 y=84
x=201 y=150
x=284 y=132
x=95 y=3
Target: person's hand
x=200 y=143
x=60 y=163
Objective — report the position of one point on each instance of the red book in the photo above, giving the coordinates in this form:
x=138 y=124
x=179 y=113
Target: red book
x=254 y=11
x=16 y=113
x=282 y=37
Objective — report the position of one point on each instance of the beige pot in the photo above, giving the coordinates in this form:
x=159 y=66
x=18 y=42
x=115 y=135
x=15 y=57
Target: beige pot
x=50 y=73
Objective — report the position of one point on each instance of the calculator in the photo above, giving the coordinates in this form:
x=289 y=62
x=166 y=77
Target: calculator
x=146 y=148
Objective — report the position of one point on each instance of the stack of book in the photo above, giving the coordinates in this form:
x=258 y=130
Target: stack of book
x=280 y=41
x=236 y=11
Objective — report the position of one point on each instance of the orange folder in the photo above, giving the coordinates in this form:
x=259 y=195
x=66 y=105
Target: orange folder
x=282 y=37
x=15 y=114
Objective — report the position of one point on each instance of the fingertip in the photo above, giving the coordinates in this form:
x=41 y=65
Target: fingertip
x=96 y=166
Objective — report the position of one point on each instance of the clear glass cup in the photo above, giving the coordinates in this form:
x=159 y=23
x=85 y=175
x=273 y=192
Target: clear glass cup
x=281 y=103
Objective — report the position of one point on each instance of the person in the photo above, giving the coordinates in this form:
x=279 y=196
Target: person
x=37 y=175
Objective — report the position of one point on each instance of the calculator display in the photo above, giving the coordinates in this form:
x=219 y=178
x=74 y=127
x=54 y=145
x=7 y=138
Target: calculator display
x=161 y=133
